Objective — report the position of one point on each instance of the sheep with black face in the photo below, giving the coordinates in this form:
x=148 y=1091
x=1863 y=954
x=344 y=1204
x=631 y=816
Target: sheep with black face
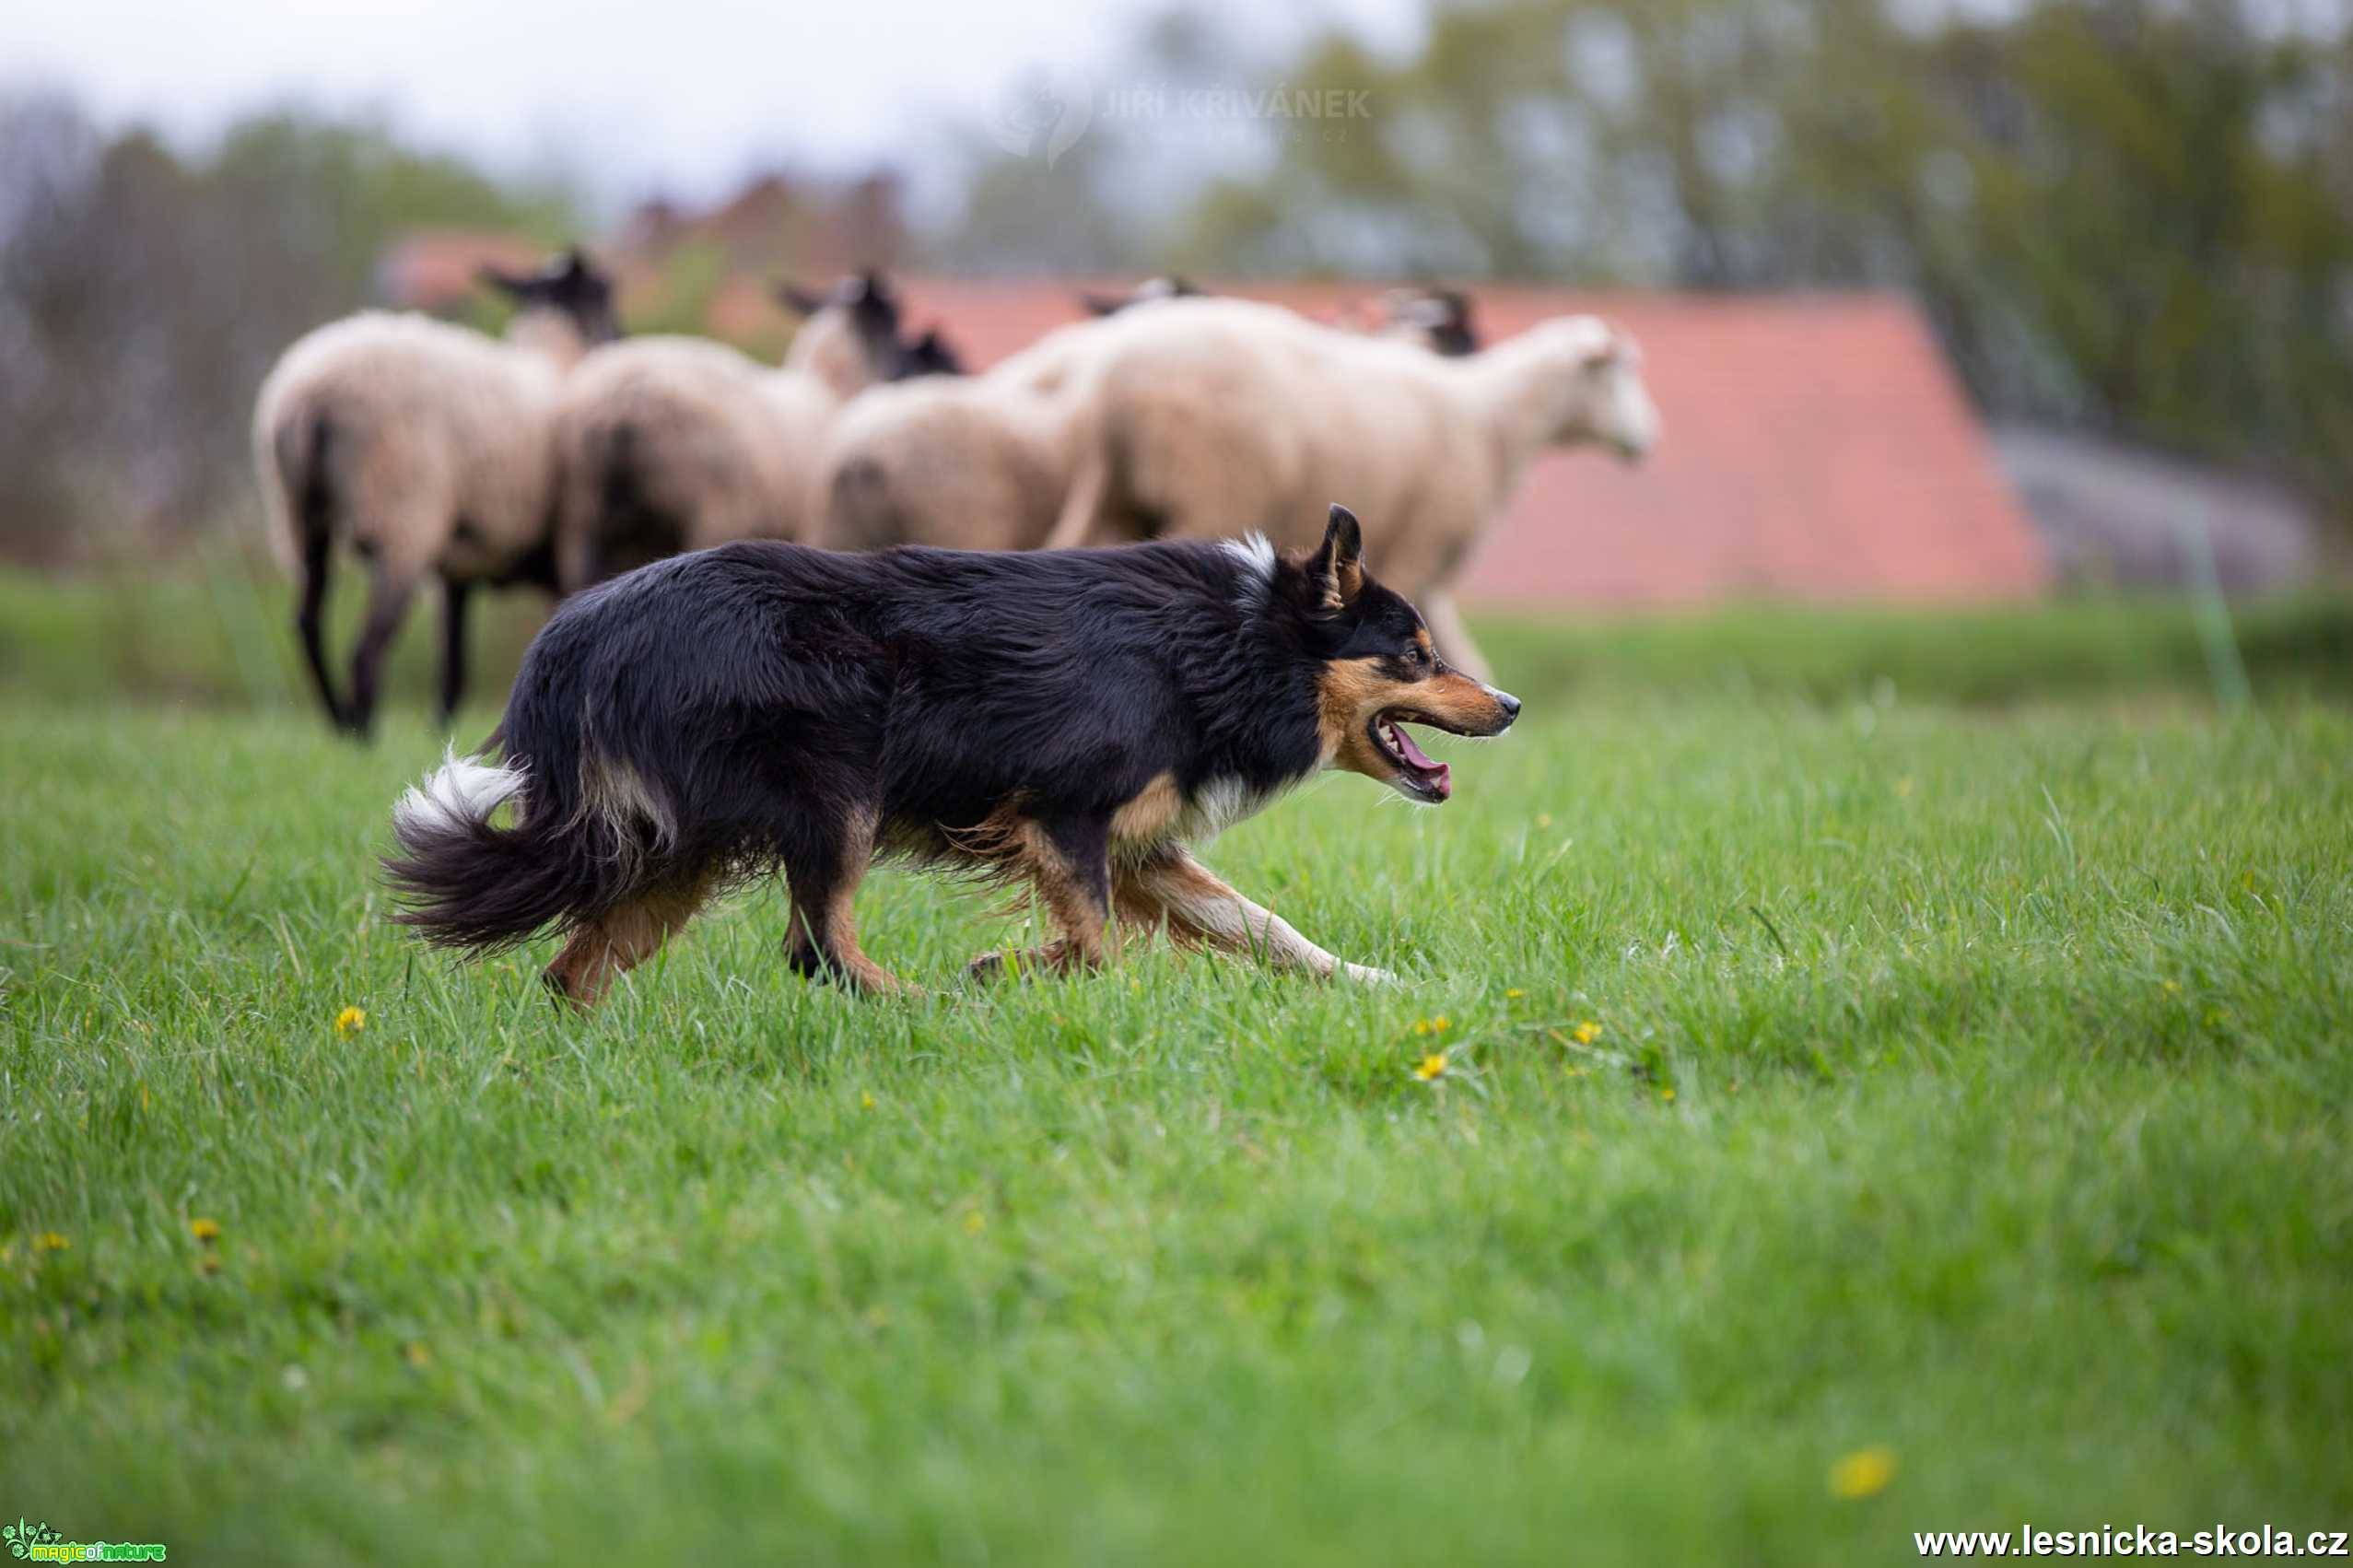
x=665 y=444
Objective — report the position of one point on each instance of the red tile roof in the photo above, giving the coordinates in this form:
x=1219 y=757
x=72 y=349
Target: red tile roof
x=1816 y=447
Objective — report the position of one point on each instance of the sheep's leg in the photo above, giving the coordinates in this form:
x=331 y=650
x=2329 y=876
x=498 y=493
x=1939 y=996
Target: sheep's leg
x=1174 y=890
x=388 y=600
x=1068 y=863
x=1078 y=508
x=822 y=879
x=309 y=617
x=455 y=597
x=620 y=939
x=1453 y=637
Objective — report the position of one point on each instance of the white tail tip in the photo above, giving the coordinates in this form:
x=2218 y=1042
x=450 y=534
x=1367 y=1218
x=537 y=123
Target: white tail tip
x=460 y=795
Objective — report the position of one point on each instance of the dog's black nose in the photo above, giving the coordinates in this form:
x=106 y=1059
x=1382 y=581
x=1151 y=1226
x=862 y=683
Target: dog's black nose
x=1509 y=704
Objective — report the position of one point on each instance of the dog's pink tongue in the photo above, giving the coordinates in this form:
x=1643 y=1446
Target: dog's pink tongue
x=1407 y=749
x=1437 y=775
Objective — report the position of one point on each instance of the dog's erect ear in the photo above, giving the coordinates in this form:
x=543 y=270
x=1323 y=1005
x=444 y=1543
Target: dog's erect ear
x=797 y=299
x=1337 y=569
x=1100 y=304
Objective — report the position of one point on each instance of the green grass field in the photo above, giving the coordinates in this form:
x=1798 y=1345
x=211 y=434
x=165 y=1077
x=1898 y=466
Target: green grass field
x=1963 y=1073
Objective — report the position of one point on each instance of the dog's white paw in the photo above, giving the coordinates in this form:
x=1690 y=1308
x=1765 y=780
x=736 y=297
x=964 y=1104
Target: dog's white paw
x=1366 y=975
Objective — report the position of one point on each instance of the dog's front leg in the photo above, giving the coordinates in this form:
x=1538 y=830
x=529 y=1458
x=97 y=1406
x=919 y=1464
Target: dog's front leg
x=1067 y=860
x=1177 y=890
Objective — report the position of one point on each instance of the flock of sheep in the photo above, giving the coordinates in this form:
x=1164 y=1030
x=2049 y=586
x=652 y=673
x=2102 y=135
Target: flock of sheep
x=566 y=453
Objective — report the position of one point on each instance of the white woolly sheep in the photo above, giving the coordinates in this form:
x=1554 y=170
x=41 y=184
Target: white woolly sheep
x=985 y=463
x=1220 y=418
x=423 y=447
x=665 y=444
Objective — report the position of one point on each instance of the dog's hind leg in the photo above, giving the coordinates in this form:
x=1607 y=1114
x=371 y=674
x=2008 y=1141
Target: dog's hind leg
x=1068 y=862
x=822 y=879
x=1174 y=890
x=621 y=938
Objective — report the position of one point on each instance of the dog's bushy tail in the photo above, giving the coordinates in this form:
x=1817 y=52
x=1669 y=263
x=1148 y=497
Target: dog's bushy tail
x=466 y=882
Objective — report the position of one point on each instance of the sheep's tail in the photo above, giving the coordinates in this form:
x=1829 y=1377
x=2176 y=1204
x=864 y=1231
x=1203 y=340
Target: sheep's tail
x=467 y=883
x=290 y=459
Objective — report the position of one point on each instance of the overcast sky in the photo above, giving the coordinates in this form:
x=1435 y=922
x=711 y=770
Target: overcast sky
x=687 y=94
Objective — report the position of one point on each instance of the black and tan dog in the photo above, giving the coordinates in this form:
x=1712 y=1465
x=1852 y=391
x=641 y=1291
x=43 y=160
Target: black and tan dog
x=1073 y=719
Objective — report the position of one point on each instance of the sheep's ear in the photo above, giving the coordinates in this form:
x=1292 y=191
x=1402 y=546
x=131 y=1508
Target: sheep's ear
x=871 y=297
x=797 y=299
x=1336 y=571
x=491 y=275
x=937 y=354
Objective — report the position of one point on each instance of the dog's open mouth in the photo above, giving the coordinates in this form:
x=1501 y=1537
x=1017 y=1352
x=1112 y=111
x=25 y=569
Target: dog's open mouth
x=1417 y=774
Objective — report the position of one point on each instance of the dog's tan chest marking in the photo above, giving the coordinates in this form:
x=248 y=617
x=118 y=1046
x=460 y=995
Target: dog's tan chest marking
x=1150 y=814
x=1162 y=813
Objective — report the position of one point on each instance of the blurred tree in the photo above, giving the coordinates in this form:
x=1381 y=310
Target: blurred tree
x=2134 y=215
x=143 y=294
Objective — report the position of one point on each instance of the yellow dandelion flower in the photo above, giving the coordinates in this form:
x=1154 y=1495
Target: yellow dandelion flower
x=1514 y=994
x=866 y=1101
x=351 y=1020
x=204 y=1230
x=1668 y=1095
x=1586 y=1032
x=1864 y=1473
x=1438 y=1025
x=1431 y=1068
x=2172 y=985
x=1420 y=1025
x=50 y=1241
x=975 y=1223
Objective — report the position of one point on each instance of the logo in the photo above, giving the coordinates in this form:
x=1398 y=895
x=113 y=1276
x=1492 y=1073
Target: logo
x=1045 y=113
x=38 y=1543
x=22 y=1538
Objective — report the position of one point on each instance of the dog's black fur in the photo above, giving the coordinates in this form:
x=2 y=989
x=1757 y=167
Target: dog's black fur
x=768 y=707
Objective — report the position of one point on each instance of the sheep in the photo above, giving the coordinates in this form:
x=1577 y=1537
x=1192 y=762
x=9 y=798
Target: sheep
x=666 y=444
x=423 y=447
x=1222 y=417
x=980 y=462
x=985 y=465
x=1166 y=285
x=1437 y=319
